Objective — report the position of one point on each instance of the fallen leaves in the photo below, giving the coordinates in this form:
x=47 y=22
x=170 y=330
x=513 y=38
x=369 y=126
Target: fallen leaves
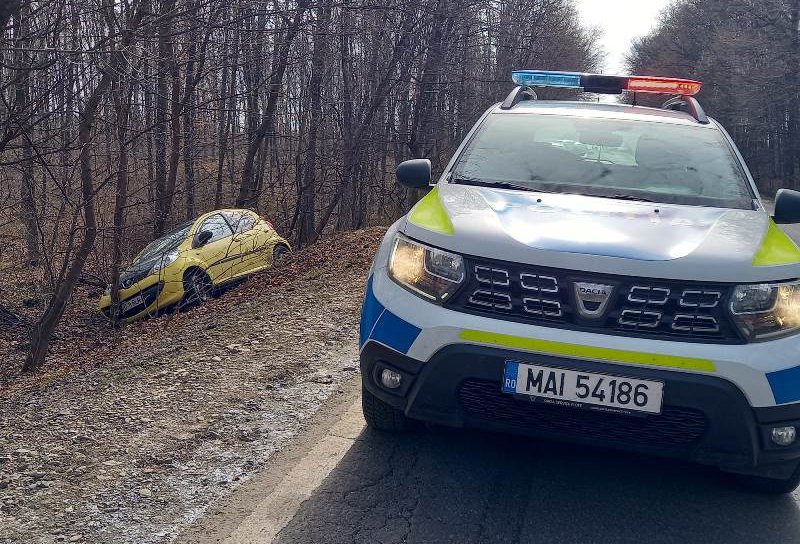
x=85 y=339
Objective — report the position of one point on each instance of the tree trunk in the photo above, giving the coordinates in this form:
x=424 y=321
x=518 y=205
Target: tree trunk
x=189 y=113
x=28 y=212
x=164 y=68
x=347 y=199
x=222 y=131
x=307 y=197
x=120 y=95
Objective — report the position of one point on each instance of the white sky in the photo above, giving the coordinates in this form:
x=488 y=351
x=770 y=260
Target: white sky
x=620 y=21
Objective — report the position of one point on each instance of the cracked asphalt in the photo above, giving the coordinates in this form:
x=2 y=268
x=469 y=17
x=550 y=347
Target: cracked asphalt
x=450 y=486
x=453 y=486
x=341 y=483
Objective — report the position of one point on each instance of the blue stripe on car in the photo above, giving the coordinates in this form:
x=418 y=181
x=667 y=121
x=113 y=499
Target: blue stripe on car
x=381 y=325
x=370 y=313
x=785 y=385
x=394 y=332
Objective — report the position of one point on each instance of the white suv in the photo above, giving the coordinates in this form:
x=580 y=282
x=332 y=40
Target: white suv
x=600 y=273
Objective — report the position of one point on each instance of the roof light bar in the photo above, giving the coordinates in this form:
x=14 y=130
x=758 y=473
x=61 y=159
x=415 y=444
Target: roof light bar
x=602 y=84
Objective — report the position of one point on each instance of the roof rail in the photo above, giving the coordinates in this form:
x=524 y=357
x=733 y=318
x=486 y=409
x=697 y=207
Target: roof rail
x=687 y=104
x=516 y=96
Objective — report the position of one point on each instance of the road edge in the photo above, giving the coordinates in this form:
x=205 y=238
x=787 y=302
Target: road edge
x=249 y=513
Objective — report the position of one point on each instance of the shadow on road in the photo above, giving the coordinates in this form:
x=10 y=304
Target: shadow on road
x=450 y=486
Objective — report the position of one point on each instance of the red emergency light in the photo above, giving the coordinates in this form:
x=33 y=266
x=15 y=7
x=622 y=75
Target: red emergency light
x=664 y=85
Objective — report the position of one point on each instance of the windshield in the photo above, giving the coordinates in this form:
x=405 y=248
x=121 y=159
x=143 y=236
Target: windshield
x=169 y=241
x=659 y=162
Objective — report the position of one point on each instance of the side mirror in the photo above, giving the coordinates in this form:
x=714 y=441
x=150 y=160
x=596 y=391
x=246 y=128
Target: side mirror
x=201 y=238
x=415 y=173
x=787 y=206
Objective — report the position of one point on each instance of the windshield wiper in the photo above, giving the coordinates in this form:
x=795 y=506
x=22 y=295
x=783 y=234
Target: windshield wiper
x=508 y=185
x=495 y=184
x=619 y=197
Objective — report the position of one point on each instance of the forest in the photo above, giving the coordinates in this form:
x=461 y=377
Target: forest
x=119 y=119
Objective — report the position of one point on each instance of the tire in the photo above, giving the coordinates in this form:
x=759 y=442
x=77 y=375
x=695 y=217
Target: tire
x=769 y=486
x=197 y=287
x=382 y=416
x=279 y=253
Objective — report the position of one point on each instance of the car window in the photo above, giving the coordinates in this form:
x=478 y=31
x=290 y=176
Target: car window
x=240 y=221
x=662 y=162
x=218 y=226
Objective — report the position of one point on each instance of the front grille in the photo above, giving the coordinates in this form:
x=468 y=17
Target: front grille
x=149 y=295
x=674 y=427
x=654 y=308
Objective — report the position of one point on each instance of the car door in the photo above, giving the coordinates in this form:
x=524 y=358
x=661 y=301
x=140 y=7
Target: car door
x=265 y=238
x=220 y=254
x=245 y=238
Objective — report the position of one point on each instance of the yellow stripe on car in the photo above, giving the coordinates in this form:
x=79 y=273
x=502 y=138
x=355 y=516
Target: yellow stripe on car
x=549 y=347
x=776 y=248
x=429 y=213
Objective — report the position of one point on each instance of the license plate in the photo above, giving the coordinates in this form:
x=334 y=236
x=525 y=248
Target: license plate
x=131 y=303
x=583 y=389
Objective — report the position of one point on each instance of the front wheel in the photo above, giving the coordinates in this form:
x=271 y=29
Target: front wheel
x=279 y=253
x=380 y=415
x=197 y=287
x=770 y=486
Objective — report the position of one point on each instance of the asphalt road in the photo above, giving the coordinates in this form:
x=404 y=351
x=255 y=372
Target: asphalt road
x=346 y=484
x=449 y=486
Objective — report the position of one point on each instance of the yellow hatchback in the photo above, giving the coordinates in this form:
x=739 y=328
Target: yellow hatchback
x=187 y=265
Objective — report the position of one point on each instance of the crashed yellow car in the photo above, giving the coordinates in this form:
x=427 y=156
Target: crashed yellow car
x=187 y=265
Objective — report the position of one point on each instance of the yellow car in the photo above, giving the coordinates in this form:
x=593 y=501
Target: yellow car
x=187 y=265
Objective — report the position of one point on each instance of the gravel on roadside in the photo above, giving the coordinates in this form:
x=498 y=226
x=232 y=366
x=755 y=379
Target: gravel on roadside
x=136 y=440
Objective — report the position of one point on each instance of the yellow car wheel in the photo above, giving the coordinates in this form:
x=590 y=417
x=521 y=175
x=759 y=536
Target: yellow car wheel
x=197 y=286
x=279 y=252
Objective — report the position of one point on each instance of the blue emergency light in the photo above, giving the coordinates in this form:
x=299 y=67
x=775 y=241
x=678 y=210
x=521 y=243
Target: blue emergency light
x=536 y=78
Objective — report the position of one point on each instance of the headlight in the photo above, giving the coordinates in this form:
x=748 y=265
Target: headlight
x=766 y=310
x=166 y=260
x=429 y=272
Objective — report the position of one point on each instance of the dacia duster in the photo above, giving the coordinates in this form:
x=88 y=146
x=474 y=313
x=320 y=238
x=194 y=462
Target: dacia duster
x=602 y=273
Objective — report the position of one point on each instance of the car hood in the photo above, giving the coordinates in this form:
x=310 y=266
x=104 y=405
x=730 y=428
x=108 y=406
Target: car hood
x=137 y=271
x=605 y=235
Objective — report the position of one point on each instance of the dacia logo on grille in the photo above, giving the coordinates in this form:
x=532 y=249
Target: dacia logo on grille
x=592 y=298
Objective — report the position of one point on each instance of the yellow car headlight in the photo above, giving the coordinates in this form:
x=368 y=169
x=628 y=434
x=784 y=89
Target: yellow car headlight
x=166 y=260
x=431 y=273
x=766 y=310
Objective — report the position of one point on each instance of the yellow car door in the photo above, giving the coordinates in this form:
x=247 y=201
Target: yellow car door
x=264 y=241
x=220 y=253
x=244 y=237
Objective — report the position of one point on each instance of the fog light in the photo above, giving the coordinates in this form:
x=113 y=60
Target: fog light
x=784 y=436
x=391 y=379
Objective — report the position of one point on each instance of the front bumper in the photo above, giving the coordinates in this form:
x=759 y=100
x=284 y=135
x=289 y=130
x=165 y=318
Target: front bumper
x=157 y=295
x=706 y=419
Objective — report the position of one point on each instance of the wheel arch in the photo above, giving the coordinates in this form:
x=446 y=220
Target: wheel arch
x=193 y=268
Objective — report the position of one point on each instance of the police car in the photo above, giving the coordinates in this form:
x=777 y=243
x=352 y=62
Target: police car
x=600 y=273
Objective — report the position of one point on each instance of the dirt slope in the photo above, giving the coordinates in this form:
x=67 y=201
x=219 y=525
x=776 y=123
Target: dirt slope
x=132 y=441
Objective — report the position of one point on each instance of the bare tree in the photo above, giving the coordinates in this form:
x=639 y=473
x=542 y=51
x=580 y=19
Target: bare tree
x=119 y=120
